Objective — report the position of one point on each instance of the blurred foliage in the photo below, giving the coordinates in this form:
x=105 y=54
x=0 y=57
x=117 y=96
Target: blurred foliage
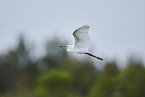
x=54 y=80
x=105 y=84
x=58 y=75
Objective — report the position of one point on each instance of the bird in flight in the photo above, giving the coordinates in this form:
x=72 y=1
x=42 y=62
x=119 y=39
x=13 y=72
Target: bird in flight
x=82 y=42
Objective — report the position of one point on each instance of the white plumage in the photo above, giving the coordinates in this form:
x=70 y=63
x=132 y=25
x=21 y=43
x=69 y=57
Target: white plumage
x=82 y=37
x=82 y=42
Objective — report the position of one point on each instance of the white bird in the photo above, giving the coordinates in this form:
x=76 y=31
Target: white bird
x=82 y=42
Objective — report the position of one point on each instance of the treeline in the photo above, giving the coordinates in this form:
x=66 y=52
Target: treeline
x=58 y=75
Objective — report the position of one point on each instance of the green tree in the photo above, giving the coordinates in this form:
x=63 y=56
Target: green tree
x=84 y=73
x=131 y=82
x=54 y=83
x=16 y=69
x=105 y=84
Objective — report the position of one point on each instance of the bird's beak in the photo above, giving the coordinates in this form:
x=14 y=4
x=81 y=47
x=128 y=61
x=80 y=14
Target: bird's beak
x=63 y=46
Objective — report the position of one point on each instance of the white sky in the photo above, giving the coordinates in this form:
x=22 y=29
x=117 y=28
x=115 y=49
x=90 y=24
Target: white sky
x=117 y=26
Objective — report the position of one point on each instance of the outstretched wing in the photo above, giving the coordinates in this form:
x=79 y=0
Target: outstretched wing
x=93 y=56
x=81 y=37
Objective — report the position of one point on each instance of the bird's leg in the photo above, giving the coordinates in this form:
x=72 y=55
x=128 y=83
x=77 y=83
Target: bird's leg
x=93 y=56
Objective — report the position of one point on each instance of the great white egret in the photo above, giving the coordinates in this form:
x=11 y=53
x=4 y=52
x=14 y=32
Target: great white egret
x=82 y=42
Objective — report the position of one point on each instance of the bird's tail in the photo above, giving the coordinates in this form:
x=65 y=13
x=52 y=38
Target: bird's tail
x=93 y=56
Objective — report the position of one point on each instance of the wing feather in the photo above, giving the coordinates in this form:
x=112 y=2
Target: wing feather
x=81 y=37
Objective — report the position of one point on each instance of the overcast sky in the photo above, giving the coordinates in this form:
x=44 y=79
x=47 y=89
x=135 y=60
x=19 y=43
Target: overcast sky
x=117 y=26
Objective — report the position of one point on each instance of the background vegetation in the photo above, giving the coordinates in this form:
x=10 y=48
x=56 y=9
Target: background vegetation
x=58 y=75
